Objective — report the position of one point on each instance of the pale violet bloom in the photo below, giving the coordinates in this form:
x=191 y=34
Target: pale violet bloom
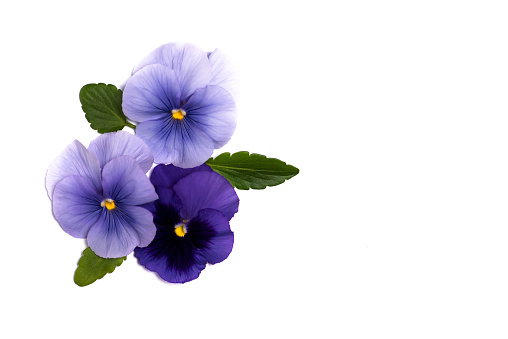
x=181 y=98
x=96 y=193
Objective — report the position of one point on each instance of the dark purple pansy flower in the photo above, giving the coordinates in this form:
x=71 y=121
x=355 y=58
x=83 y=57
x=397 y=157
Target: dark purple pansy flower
x=192 y=219
x=180 y=97
x=97 y=193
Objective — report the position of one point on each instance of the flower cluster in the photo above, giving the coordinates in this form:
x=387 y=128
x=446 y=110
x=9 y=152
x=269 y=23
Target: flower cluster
x=175 y=216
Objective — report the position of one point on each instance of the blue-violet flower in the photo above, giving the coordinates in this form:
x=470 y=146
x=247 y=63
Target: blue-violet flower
x=192 y=219
x=97 y=193
x=180 y=96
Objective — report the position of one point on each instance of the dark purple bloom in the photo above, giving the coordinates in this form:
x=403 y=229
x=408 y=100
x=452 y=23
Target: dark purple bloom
x=180 y=98
x=97 y=193
x=192 y=219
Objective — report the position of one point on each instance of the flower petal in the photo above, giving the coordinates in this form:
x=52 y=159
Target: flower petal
x=168 y=175
x=76 y=205
x=74 y=160
x=217 y=247
x=223 y=72
x=189 y=62
x=181 y=143
x=126 y=183
x=202 y=190
x=108 y=146
x=119 y=231
x=213 y=109
x=173 y=258
x=151 y=94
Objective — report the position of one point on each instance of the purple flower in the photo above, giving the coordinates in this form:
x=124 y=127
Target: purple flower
x=97 y=193
x=192 y=219
x=180 y=98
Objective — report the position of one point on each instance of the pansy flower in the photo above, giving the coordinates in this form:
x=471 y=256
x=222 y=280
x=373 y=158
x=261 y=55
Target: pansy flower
x=179 y=97
x=97 y=192
x=192 y=218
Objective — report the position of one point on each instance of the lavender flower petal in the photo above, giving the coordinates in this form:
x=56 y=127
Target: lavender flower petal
x=108 y=146
x=189 y=62
x=202 y=190
x=181 y=143
x=74 y=160
x=223 y=72
x=213 y=110
x=76 y=205
x=124 y=182
x=119 y=231
x=151 y=94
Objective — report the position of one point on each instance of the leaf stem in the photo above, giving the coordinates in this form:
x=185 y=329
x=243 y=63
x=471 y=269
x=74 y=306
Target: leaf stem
x=128 y=124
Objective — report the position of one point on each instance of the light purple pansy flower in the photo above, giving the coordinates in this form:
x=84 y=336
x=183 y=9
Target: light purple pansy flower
x=180 y=97
x=97 y=192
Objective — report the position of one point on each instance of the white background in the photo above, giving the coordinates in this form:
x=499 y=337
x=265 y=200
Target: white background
x=394 y=111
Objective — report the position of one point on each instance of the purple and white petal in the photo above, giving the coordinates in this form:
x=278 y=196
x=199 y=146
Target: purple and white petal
x=188 y=61
x=108 y=146
x=202 y=190
x=221 y=244
x=213 y=110
x=74 y=160
x=76 y=205
x=223 y=72
x=151 y=94
x=119 y=231
x=179 y=142
x=125 y=182
x=168 y=175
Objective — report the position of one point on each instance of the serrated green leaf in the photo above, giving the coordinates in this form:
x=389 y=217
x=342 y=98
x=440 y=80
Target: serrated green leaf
x=91 y=267
x=102 y=105
x=244 y=170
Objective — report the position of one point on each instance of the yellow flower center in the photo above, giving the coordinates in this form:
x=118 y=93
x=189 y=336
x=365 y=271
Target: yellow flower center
x=109 y=203
x=178 y=114
x=180 y=229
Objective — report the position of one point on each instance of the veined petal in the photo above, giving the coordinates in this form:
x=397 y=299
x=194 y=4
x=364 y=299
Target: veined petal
x=108 y=146
x=119 y=231
x=76 y=205
x=189 y=62
x=179 y=142
x=125 y=182
x=203 y=190
x=74 y=160
x=215 y=248
x=152 y=93
x=213 y=110
x=168 y=175
x=223 y=72
x=174 y=262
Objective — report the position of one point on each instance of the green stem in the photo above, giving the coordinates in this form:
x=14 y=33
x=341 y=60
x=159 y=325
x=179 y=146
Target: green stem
x=128 y=124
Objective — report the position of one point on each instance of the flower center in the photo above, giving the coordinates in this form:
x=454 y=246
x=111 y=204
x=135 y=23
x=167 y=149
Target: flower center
x=178 y=114
x=109 y=203
x=180 y=229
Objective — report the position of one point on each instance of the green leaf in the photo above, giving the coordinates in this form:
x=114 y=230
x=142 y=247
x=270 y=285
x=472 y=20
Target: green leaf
x=102 y=105
x=255 y=171
x=91 y=267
